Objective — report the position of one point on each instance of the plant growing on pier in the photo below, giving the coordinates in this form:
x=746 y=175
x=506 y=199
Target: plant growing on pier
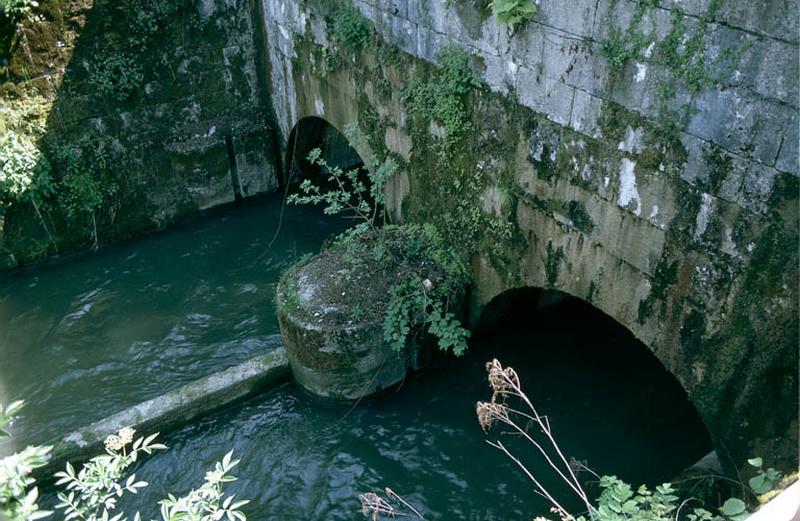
x=349 y=193
x=415 y=300
x=418 y=301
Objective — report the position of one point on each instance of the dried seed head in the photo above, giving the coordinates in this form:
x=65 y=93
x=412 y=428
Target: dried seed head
x=484 y=416
x=489 y=412
x=503 y=381
x=372 y=505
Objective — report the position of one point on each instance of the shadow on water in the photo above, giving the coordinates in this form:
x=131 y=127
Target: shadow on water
x=610 y=399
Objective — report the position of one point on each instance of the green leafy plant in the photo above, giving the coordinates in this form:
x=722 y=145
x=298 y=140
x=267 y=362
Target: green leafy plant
x=445 y=99
x=24 y=171
x=358 y=192
x=765 y=480
x=86 y=185
x=92 y=493
x=513 y=12
x=418 y=301
x=350 y=28
x=208 y=502
x=349 y=193
x=621 y=47
x=18 y=496
x=25 y=174
x=117 y=75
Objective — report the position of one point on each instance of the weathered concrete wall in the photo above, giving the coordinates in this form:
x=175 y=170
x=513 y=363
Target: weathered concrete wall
x=673 y=210
x=193 y=132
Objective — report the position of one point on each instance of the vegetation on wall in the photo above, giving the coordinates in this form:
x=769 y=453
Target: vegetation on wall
x=350 y=28
x=117 y=75
x=62 y=187
x=681 y=53
x=445 y=98
x=513 y=12
x=26 y=176
x=24 y=171
x=87 y=184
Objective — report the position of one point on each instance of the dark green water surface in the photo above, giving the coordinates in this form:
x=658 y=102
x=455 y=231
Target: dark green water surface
x=87 y=338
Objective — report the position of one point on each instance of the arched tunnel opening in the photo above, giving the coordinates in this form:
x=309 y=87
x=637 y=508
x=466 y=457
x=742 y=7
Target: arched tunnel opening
x=612 y=404
x=335 y=150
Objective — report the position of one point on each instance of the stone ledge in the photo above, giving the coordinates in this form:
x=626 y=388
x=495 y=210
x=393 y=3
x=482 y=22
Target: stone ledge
x=784 y=507
x=173 y=409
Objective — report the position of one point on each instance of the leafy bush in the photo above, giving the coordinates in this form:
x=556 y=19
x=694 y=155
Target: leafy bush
x=24 y=171
x=86 y=180
x=348 y=191
x=92 y=492
x=512 y=12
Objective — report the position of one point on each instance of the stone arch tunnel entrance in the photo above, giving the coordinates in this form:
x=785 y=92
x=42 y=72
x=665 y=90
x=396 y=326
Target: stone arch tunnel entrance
x=310 y=133
x=595 y=381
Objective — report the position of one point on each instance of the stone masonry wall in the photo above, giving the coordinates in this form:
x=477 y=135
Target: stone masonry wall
x=193 y=133
x=662 y=188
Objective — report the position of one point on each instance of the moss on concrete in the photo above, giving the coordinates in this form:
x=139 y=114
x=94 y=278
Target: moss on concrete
x=189 y=81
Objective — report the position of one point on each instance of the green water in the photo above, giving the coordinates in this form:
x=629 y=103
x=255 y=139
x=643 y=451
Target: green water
x=85 y=339
x=97 y=334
